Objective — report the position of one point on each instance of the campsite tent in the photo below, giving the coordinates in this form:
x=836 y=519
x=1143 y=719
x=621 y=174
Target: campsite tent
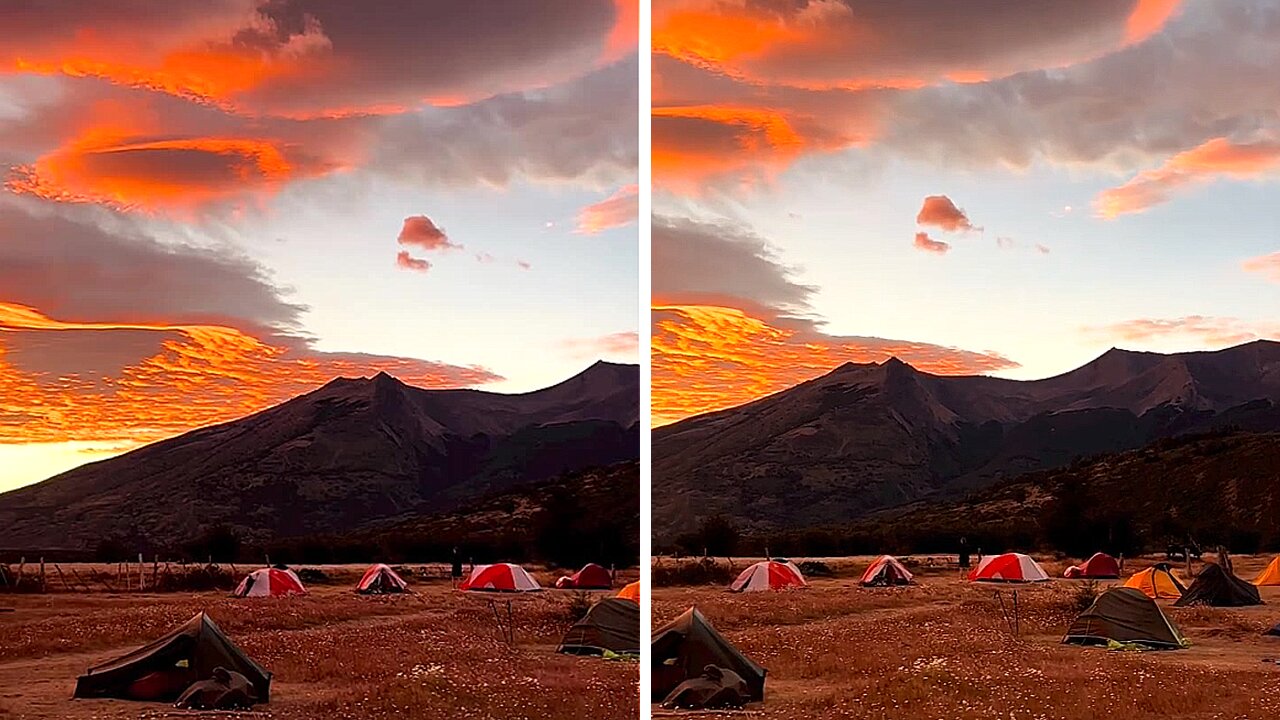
x=380 y=579
x=1270 y=575
x=886 y=570
x=1124 y=615
x=590 y=577
x=630 y=592
x=1220 y=588
x=1073 y=572
x=1157 y=581
x=768 y=575
x=269 y=582
x=161 y=670
x=1101 y=565
x=500 y=577
x=611 y=624
x=683 y=647
x=1009 y=567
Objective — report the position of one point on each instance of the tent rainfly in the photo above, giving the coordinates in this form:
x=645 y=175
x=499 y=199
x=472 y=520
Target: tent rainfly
x=500 y=578
x=1126 y=616
x=1218 y=587
x=1010 y=568
x=769 y=575
x=380 y=579
x=1157 y=582
x=886 y=570
x=161 y=670
x=611 y=625
x=269 y=582
x=682 y=648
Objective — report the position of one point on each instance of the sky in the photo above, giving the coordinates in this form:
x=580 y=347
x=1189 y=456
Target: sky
x=981 y=187
x=209 y=208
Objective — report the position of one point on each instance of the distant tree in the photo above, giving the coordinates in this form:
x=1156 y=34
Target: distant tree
x=219 y=542
x=111 y=550
x=719 y=536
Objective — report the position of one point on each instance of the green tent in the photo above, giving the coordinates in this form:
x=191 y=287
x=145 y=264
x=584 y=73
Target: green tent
x=1128 y=617
x=682 y=648
x=611 y=625
x=161 y=670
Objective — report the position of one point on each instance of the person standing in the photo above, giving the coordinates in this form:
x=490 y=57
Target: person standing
x=964 y=554
x=455 y=574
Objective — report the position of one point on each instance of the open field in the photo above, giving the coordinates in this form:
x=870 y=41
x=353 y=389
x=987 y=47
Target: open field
x=943 y=649
x=334 y=654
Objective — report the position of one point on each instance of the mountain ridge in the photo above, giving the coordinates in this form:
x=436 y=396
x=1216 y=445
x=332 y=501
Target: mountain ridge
x=350 y=451
x=864 y=437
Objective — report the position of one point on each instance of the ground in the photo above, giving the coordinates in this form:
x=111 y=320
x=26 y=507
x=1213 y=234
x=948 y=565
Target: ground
x=943 y=649
x=334 y=654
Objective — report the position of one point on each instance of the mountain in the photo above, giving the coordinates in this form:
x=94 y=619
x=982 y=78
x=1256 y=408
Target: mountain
x=1222 y=487
x=866 y=437
x=347 y=453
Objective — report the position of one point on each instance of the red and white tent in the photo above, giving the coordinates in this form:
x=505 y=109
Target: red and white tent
x=269 y=582
x=769 y=575
x=381 y=579
x=1009 y=567
x=886 y=570
x=500 y=577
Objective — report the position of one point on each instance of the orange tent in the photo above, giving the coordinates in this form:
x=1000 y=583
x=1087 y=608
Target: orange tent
x=1270 y=575
x=1157 y=582
x=630 y=592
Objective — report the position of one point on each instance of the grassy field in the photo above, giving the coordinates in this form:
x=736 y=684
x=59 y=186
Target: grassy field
x=944 y=649
x=334 y=654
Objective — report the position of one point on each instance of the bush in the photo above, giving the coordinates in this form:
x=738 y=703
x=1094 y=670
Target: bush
x=814 y=568
x=704 y=571
x=579 y=603
x=1083 y=595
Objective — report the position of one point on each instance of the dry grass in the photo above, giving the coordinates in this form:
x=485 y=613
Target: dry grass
x=334 y=654
x=943 y=649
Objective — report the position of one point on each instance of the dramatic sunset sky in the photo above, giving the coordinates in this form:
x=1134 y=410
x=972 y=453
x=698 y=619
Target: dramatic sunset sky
x=210 y=207
x=975 y=187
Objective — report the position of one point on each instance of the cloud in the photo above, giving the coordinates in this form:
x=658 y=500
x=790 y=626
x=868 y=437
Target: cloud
x=619 y=344
x=1205 y=76
x=405 y=261
x=1203 y=331
x=713 y=263
x=1266 y=265
x=940 y=212
x=928 y=244
x=422 y=232
x=318 y=58
x=742 y=90
x=129 y=173
x=113 y=337
x=617 y=210
x=1216 y=158
x=708 y=358
x=852 y=45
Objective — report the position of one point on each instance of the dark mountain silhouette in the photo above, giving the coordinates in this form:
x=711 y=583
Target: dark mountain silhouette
x=872 y=436
x=1216 y=488
x=350 y=452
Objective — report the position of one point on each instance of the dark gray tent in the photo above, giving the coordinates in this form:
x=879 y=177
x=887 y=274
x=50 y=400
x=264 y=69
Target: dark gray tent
x=612 y=624
x=161 y=670
x=1220 y=588
x=1124 y=615
x=684 y=647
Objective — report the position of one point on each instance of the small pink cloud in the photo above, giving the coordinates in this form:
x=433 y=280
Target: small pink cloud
x=928 y=244
x=617 y=210
x=405 y=261
x=420 y=231
x=614 y=344
x=940 y=212
x=1266 y=265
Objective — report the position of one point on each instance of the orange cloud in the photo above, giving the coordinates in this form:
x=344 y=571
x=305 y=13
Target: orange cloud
x=691 y=144
x=624 y=344
x=201 y=375
x=1147 y=19
x=708 y=358
x=617 y=210
x=624 y=38
x=928 y=244
x=1199 y=329
x=1266 y=265
x=129 y=172
x=1215 y=159
x=940 y=212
